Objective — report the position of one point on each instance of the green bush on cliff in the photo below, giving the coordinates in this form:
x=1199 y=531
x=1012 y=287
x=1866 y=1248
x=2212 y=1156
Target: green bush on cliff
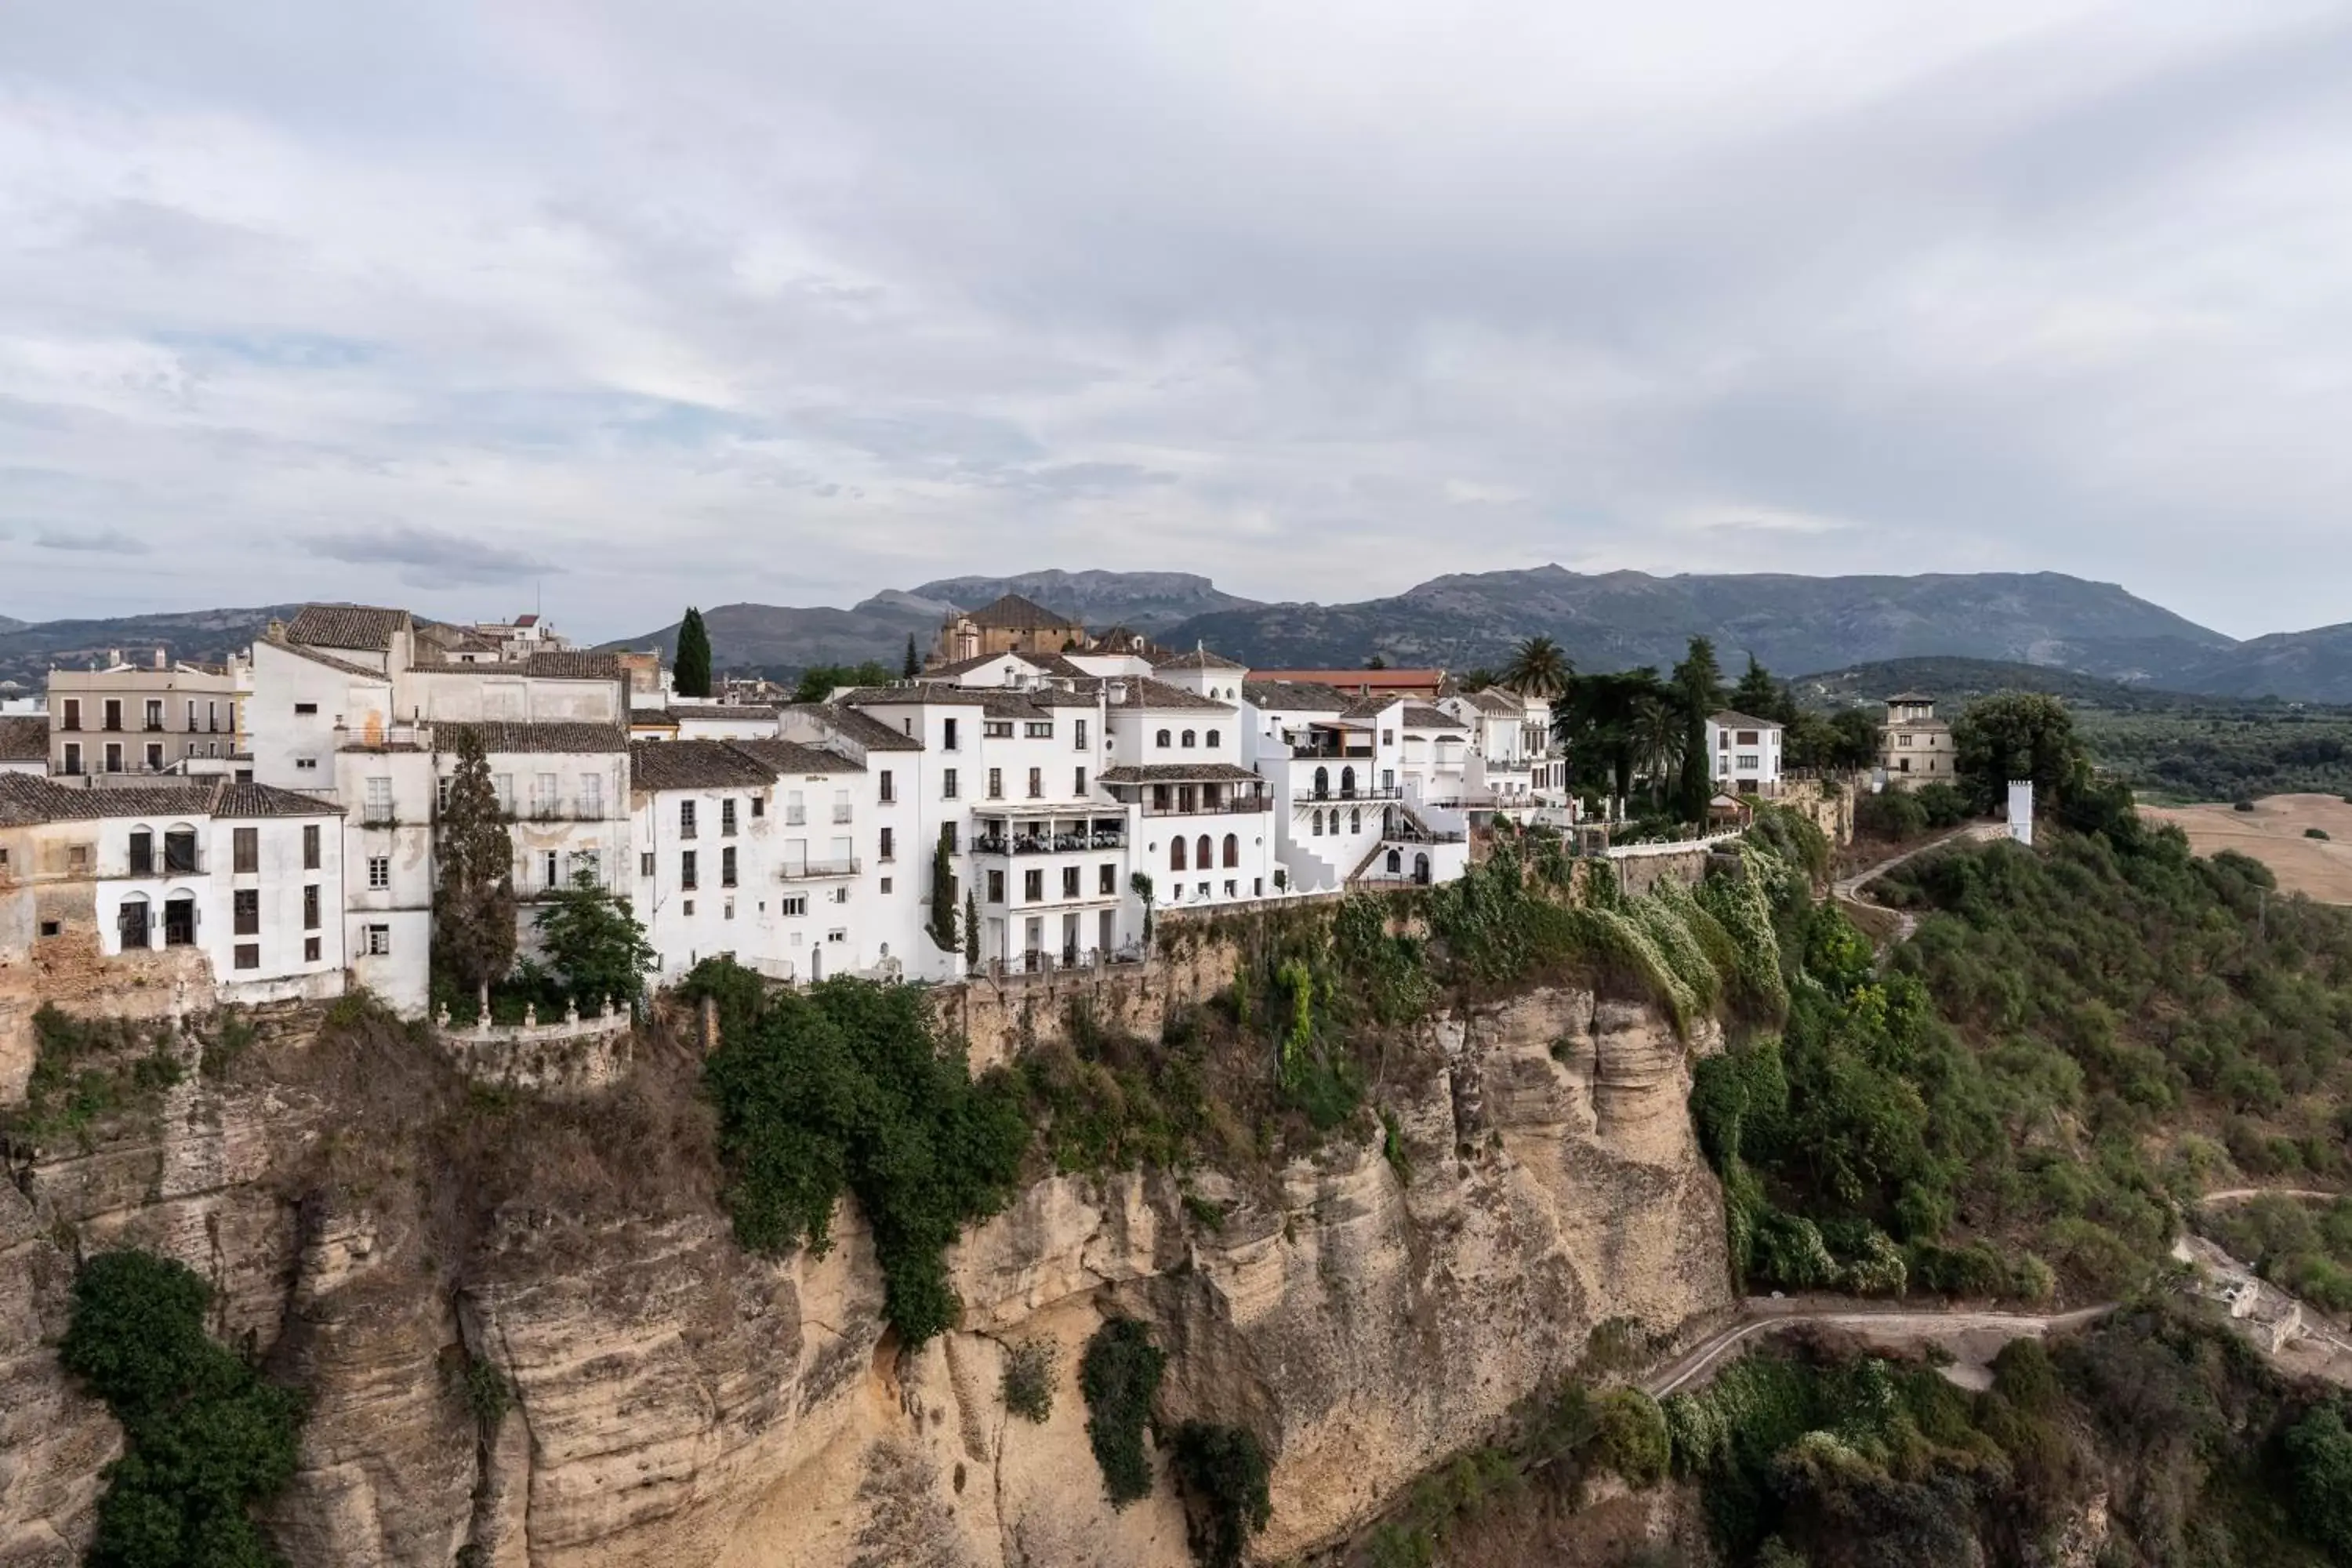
x=1226 y=1468
x=1120 y=1377
x=206 y=1439
x=847 y=1086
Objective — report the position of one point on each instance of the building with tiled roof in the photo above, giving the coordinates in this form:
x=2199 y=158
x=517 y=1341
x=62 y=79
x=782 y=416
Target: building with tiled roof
x=1422 y=683
x=1744 y=754
x=1915 y=747
x=499 y=736
x=694 y=765
x=792 y=757
x=1198 y=658
x=1011 y=625
x=353 y=627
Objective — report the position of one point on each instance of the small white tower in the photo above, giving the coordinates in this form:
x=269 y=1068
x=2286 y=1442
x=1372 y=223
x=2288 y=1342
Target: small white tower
x=2021 y=811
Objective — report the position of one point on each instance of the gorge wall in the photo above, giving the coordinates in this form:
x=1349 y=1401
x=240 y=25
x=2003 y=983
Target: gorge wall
x=675 y=1403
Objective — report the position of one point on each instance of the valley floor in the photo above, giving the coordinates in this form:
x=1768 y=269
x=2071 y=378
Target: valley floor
x=2274 y=833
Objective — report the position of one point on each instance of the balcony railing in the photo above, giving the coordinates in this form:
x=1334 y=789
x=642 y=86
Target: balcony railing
x=1218 y=808
x=817 y=870
x=841 y=813
x=1048 y=843
x=1360 y=792
x=796 y=817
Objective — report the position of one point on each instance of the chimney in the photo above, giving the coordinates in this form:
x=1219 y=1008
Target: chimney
x=114 y=658
x=159 y=660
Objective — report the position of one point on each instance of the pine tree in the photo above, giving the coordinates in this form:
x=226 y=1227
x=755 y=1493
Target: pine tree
x=473 y=902
x=692 y=666
x=1757 y=695
x=913 y=666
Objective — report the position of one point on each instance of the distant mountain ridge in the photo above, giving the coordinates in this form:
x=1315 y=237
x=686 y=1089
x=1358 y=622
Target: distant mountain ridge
x=1142 y=601
x=29 y=649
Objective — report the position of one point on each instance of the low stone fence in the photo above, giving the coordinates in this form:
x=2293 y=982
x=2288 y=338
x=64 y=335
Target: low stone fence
x=573 y=1055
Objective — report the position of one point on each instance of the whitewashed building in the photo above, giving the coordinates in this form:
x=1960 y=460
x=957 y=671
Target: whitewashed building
x=1744 y=754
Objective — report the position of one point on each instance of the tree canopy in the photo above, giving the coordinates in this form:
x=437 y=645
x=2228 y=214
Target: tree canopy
x=1536 y=669
x=595 y=944
x=2018 y=735
x=473 y=902
x=691 y=672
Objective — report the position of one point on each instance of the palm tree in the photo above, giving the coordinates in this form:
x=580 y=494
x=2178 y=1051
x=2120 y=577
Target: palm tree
x=1537 y=668
x=1659 y=738
x=1596 y=724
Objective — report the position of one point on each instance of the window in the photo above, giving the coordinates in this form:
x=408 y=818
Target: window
x=841 y=806
x=377 y=941
x=1033 y=884
x=947 y=783
x=49 y=928
x=885 y=887
x=211 y=717
x=180 y=852
x=890 y=787
x=996 y=784
x=1069 y=881
x=503 y=783
x=310 y=846
x=996 y=729
x=795 y=808
x=1038 y=729
x=837 y=934
x=1081 y=734
x=244 y=850
x=890 y=845
x=379 y=800
x=246 y=911
x=690 y=906
x=686 y=819
x=947 y=734
x=546 y=794
x=1036 y=784
x=1176 y=849
x=1188 y=740
x=72 y=719
x=1747 y=737
x=645 y=864
x=1206 y=856
x=1355 y=823
x=1233 y=851
x=727 y=817
x=114 y=713
x=1388 y=737
x=143 y=853
x=1162 y=739
x=114 y=756
x=996 y=887
x=686 y=877
x=792 y=906
x=73 y=757
x=310 y=907
x=1747 y=761
x=248 y=956
x=379 y=872
x=78 y=859
x=586 y=863
x=154 y=713
x=592 y=794
x=759 y=806
x=310 y=950
x=553 y=870
x=1315 y=831
x=304 y=708
x=839 y=895
x=727 y=867
x=1078 y=782
x=1212 y=739
x=1106 y=883
x=155 y=758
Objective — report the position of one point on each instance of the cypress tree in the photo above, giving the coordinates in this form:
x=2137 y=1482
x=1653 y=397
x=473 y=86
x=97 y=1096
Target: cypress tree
x=913 y=666
x=473 y=900
x=692 y=666
x=942 y=924
x=1698 y=681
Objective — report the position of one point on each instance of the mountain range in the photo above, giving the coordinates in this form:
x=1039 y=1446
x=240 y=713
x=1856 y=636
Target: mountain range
x=1604 y=621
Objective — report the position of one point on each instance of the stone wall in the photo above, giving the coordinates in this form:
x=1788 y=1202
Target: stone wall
x=569 y=1056
x=70 y=971
x=1001 y=1017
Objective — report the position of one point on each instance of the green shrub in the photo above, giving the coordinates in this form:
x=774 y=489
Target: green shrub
x=2243 y=802
x=1225 y=1468
x=487 y=1394
x=207 y=1441
x=2314 y=833
x=846 y=1087
x=1630 y=1438
x=1029 y=1380
x=2320 y=1450
x=1120 y=1377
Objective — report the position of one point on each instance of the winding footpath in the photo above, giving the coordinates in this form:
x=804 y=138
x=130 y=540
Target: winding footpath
x=1888 y=1325
x=1848 y=890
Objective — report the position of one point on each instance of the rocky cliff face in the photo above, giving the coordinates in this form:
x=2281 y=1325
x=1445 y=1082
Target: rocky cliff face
x=675 y=1403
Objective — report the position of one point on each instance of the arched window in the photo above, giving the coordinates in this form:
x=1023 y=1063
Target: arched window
x=1322 y=783
x=1233 y=849
x=1163 y=740
x=1188 y=740
x=1347 y=784
x=1213 y=739
x=133 y=924
x=1355 y=819
x=1396 y=861
x=1208 y=854
x=1420 y=869
x=1176 y=853
x=1318 y=831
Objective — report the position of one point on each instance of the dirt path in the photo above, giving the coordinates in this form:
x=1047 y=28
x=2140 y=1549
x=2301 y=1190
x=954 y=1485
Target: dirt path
x=1977 y=1335
x=1848 y=890
x=2241 y=1194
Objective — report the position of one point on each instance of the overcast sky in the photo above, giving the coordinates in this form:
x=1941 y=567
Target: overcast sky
x=457 y=301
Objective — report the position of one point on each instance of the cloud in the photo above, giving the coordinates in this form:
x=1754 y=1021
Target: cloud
x=426 y=557
x=746 y=293
x=98 y=542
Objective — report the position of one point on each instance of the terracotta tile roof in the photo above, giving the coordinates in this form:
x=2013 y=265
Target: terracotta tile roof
x=652 y=719
x=861 y=729
x=457 y=639
x=1418 y=717
x=1295 y=696
x=1013 y=612
x=511 y=738
x=1199 y=658
x=1493 y=699
x=1143 y=692
x=347 y=625
x=720 y=711
x=922 y=693
x=1362 y=680
x=571 y=664
x=1168 y=772
x=694 y=765
x=317 y=655
x=24 y=738
x=792 y=757
x=1731 y=721
x=26 y=800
